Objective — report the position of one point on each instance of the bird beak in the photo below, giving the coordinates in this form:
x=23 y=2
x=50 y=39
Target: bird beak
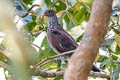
x=43 y=15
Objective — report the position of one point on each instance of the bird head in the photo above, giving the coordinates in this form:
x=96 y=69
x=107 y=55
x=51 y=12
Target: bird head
x=49 y=13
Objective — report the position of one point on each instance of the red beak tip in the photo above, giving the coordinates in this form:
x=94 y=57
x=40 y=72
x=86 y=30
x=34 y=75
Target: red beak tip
x=43 y=15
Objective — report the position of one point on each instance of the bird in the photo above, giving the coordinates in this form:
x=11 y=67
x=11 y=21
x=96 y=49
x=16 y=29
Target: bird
x=58 y=39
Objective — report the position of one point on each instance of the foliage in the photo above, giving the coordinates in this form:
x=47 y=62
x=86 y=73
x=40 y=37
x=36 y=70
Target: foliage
x=73 y=15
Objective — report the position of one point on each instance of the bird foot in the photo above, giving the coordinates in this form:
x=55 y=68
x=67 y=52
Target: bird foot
x=56 y=60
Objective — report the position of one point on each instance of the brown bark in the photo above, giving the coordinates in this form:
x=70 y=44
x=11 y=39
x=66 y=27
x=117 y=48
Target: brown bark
x=46 y=74
x=81 y=62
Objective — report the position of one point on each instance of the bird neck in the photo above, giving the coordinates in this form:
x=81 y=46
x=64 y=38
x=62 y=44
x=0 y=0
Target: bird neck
x=52 y=24
x=53 y=19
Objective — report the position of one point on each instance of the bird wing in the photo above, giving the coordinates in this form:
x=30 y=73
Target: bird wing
x=64 y=41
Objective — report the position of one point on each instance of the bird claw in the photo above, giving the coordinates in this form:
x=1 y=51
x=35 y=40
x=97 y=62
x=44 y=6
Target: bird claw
x=56 y=60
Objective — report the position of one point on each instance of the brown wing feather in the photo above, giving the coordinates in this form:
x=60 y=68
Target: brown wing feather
x=61 y=41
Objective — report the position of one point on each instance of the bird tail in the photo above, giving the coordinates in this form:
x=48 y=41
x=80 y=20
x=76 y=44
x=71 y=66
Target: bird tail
x=95 y=69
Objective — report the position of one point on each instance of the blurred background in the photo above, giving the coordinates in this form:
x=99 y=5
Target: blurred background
x=23 y=42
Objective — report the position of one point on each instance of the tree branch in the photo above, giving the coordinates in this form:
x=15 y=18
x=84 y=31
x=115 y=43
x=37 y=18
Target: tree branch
x=4 y=65
x=55 y=74
x=5 y=52
x=48 y=74
x=82 y=60
x=100 y=75
x=49 y=58
x=61 y=73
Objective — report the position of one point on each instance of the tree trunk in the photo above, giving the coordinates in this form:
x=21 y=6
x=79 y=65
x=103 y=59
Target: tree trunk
x=81 y=62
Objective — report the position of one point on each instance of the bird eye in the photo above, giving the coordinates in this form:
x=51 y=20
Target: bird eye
x=48 y=11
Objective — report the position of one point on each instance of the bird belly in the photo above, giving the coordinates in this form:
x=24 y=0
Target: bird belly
x=52 y=43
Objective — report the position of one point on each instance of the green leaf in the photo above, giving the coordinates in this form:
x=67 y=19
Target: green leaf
x=28 y=1
x=113 y=54
x=70 y=25
x=79 y=38
x=48 y=3
x=117 y=31
x=117 y=50
x=67 y=20
x=83 y=18
x=116 y=71
x=39 y=20
x=30 y=25
x=89 y=2
x=103 y=64
x=77 y=31
x=62 y=17
x=73 y=18
x=80 y=13
x=59 y=78
x=107 y=43
x=69 y=3
x=75 y=8
x=61 y=6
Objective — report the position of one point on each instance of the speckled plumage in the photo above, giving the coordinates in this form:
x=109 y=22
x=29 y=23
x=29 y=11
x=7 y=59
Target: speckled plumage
x=59 y=40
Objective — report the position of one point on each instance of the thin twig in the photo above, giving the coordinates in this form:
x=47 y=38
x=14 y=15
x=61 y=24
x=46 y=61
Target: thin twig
x=37 y=46
x=40 y=50
x=52 y=57
x=54 y=4
x=45 y=63
x=56 y=68
x=16 y=22
x=5 y=52
x=4 y=65
x=36 y=33
x=25 y=14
